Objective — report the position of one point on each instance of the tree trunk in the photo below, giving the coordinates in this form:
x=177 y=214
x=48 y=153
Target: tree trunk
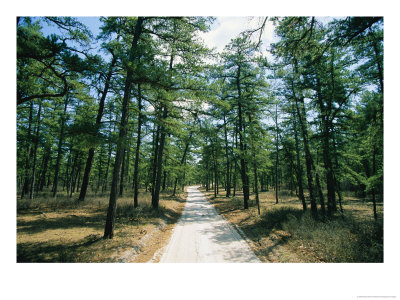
x=277 y=154
x=155 y=159
x=59 y=149
x=35 y=152
x=215 y=173
x=228 y=182
x=121 y=183
x=245 y=179
x=110 y=221
x=137 y=151
x=253 y=149
x=302 y=115
x=299 y=172
x=89 y=161
x=183 y=159
x=45 y=163
x=324 y=116
x=320 y=193
x=25 y=187
x=74 y=174
x=156 y=196
x=105 y=183
x=67 y=182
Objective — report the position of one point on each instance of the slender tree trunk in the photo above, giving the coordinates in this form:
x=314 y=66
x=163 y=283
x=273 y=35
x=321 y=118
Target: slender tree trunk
x=155 y=159
x=156 y=196
x=100 y=171
x=253 y=149
x=137 y=151
x=236 y=166
x=164 y=178
x=42 y=180
x=89 y=161
x=277 y=154
x=121 y=182
x=337 y=182
x=379 y=65
x=215 y=172
x=35 y=152
x=228 y=181
x=67 y=182
x=324 y=116
x=299 y=167
x=59 y=149
x=105 y=184
x=74 y=174
x=245 y=179
x=301 y=114
x=25 y=187
x=110 y=221
x=207 y=174
x=320 y=193
x=373 y=189
x=183 y=159
x=79 y=178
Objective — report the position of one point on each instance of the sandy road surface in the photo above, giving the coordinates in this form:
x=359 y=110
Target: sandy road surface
x=202 y=235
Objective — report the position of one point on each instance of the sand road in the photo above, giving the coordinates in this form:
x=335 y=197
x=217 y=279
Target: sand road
x=202 y=235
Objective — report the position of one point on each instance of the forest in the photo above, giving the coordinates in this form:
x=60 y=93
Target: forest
x=145 y=108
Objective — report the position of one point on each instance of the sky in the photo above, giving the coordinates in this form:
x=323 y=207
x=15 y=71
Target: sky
x=226 y=28
x=221 y=31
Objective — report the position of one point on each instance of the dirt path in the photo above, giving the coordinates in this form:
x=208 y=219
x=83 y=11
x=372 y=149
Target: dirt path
x=202 y=235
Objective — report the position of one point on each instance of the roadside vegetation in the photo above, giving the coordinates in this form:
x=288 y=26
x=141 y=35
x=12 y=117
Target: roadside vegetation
x=284 y=233
x=61 y=230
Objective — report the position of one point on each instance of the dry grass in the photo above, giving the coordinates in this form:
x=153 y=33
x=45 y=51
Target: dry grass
x=283 y=233
x=63 y=230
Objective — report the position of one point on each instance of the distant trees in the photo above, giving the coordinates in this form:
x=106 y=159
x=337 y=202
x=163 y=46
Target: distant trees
x=326 y=77
x=323 y=70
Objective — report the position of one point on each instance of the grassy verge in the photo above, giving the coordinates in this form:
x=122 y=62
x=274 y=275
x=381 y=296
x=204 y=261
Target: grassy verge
x=284 y=233
x=62 y=230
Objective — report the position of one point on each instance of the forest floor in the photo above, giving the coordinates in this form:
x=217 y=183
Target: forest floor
x=65 y=231
x=284 y=233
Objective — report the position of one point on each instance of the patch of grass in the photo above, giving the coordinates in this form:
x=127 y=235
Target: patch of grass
x=64 y=230
x=336 y=240
x=284 y=233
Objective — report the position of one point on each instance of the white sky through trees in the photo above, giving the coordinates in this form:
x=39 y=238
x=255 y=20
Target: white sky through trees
x=221 y=31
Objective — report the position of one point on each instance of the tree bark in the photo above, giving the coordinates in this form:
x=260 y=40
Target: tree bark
x=110 y=221
x=156 y=196
x=154 y=169
x=324 y=116
x=137 y=151
x=301 y=115
x=299 y=167
x=45 y=163
x=245 y=179
x=25 y=187
x=59 y=149
x=228 y=181
x=35 y=152
x=89 y=161
x=183 y=160
x=277 y=154
x=121 y=182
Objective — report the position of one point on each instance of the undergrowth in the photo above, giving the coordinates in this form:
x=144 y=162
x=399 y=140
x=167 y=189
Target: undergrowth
x=330 y=240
